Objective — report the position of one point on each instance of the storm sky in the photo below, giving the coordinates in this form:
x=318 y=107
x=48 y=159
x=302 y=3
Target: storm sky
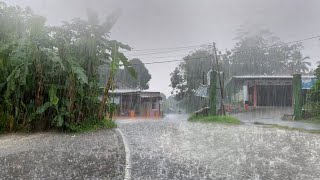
x=153 y=24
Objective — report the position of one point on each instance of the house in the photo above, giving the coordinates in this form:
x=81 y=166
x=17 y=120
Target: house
x=136 y=103
x=259 y=90
x=265 y=90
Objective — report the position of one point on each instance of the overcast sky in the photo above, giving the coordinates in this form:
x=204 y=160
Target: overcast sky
x=149 y=24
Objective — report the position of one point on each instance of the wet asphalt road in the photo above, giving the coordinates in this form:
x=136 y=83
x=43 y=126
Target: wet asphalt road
x=172 y=148
x=176 y=149
x=96 y=155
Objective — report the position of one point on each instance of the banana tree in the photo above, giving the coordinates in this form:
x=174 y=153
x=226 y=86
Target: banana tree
x=117 y=59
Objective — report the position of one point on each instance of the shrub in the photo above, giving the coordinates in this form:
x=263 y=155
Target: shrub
x=312 y=106
x=91 y=125
x=217 y=119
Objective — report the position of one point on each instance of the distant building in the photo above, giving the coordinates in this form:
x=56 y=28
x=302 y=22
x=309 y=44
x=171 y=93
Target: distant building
x=260 y=90
x=265 y=90
x=133 y=103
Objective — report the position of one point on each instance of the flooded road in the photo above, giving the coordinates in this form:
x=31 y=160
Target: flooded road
x=173 y=148
x=94 y=155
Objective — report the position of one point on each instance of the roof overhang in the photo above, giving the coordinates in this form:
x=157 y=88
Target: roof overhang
x=307 y=81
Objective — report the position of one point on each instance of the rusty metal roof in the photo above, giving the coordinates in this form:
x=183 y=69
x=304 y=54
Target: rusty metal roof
x=143 y=94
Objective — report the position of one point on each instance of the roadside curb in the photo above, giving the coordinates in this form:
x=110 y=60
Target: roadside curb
x=127 y=175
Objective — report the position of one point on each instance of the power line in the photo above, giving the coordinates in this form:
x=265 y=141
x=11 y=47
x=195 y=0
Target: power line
x=188 y=47
x=179 y=47
x=275 y=45
x=161 y=52
x=170 y=61
x=306 y=39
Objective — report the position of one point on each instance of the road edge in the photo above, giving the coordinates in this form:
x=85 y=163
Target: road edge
x=127 y=175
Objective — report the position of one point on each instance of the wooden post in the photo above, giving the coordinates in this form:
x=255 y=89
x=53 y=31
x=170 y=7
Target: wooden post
x=212 y=93
x=297 y=94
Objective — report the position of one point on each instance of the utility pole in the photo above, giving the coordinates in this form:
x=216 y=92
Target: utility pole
x=213 y=89
x=222 y=109
x=297 y=95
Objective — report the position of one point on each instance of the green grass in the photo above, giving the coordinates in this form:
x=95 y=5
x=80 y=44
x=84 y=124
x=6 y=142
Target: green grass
x=93 y=125
x=215 y=119
x=313 y=120
x=293 y=129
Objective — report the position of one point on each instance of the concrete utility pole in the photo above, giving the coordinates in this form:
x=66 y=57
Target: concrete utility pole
x=221 y=83
x=297 y=95
x=212 y=89
x=213 y=93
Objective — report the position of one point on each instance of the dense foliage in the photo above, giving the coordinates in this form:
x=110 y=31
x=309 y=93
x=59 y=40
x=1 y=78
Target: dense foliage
x=49 y=75
x=258 y=53
x=312 y=106
x=124 y=79
x=188 y=76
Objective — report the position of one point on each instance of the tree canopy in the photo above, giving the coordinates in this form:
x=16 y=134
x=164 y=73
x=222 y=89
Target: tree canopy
x=187 y=77
x=260 y=53
x=49 y=75
x=143 y=75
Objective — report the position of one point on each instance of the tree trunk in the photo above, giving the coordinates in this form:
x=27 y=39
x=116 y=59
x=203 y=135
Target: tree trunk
x=104 y=100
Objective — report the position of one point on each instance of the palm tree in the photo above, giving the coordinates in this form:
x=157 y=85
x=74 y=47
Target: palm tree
x=300 y=63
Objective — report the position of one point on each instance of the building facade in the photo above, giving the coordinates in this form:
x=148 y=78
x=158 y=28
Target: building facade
x=136 y=103
x=265 y=90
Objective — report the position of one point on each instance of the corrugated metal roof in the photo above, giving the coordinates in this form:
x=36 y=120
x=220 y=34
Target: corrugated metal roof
x=121 y=91
x=268 y=77
x=145 y=94
x=307 y=80
x=136 y=91
x=265 y=77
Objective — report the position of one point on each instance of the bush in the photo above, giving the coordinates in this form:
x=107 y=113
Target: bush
x=91 y=125
x=312 y=109
x=3 y=123
x=216 y=119
x=312 y=106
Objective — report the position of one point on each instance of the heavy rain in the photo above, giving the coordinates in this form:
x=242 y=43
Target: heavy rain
x=159 y=89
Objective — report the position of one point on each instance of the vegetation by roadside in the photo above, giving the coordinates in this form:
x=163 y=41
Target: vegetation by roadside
x=313 y=120
x=287 y=128
x=215 y=119
x=50 y=75
x=312 y=106
x=294 y=129
x=92 y=126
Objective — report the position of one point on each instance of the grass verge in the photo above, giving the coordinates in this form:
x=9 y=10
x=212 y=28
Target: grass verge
x=215 y=119
x=313 y=120
x=290 y=128
x=92 y=126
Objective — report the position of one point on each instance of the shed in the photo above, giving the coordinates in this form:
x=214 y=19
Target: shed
x=134 y=102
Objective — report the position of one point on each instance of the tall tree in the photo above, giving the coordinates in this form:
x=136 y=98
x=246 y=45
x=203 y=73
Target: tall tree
x=49 y=75
x=259 y=53
x=300 y=63
x=188 y=76
x=143 y=75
